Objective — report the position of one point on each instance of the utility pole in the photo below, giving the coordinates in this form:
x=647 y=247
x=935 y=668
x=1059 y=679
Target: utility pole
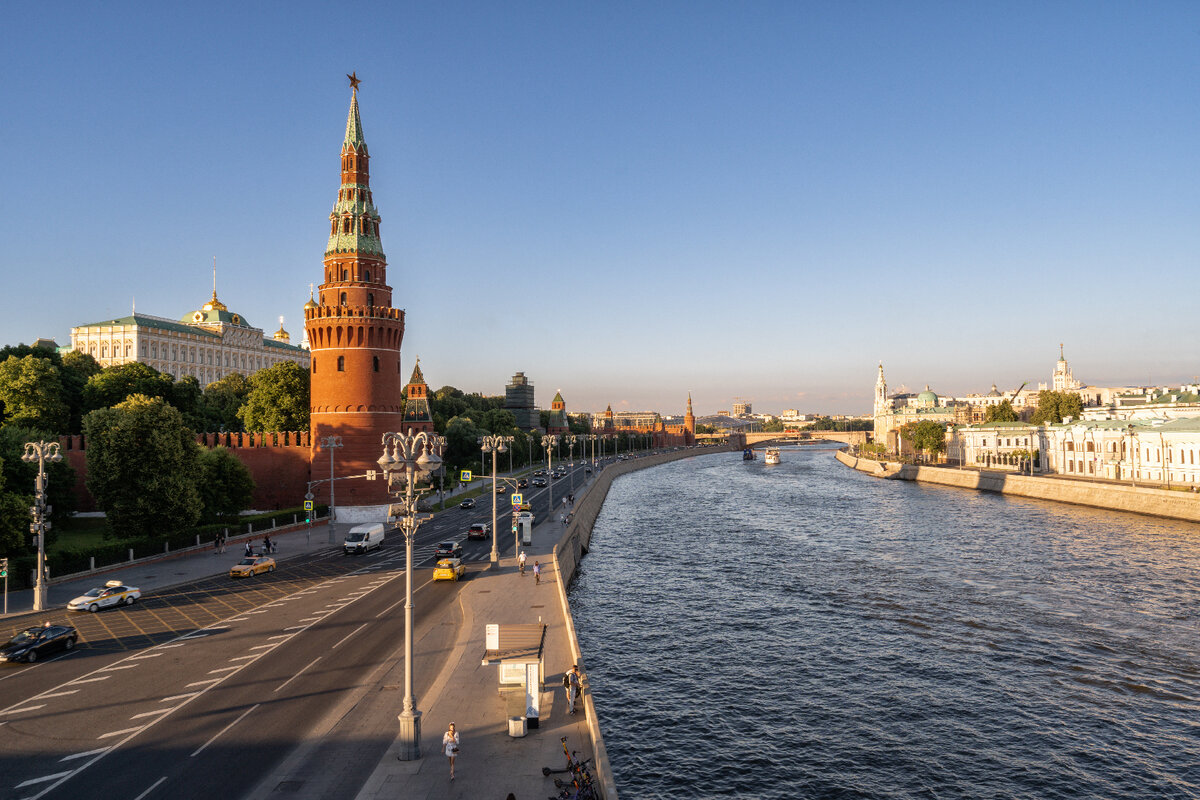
x=41 y=452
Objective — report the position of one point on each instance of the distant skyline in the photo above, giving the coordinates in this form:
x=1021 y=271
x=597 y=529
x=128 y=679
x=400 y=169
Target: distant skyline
x=632 y=201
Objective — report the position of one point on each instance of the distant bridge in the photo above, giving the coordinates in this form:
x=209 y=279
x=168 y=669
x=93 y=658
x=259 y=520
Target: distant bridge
x=849 y=437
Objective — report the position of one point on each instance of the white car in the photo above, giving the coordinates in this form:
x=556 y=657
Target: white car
x=113 y=593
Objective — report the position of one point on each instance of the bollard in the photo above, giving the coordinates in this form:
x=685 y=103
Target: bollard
x=294 y=519
x=249 y=527
x=272 y=523
x=166 y=547
x=131 y=554
x=92 y=563
x=197 y=540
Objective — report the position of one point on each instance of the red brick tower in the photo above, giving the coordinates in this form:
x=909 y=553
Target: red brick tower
x=689 y=422
x=417 y=415
x=354 y=333
x=557 y=422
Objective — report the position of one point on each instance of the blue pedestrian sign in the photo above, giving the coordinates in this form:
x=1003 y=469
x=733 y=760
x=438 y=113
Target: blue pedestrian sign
x=465 y=476
x=308 y=505
x=517 y=499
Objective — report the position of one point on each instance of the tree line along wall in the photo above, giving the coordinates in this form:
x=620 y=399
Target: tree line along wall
x=278 y=462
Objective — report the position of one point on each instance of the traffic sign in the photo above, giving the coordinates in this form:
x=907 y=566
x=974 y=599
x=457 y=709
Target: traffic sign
x=517 y=499
x=308 y=505
x=465 y=476
x=308 y=496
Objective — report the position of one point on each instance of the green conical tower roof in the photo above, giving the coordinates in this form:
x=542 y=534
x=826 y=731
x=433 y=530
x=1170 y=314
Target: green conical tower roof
x=354 y=132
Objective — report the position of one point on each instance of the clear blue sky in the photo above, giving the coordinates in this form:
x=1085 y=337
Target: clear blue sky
x=629 y=201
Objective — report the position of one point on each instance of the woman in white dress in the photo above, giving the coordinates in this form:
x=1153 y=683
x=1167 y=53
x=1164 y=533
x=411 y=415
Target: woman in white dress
x=450 y=746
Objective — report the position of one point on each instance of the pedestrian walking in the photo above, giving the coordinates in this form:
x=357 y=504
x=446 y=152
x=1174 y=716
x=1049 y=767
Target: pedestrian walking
x=450 y=743
x=571 y=683
x=217 y=543
x=521 y=561
x=249 y=549
x=537 y=572
x=268 y=547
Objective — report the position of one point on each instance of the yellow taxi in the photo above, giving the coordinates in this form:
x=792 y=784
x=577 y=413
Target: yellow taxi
x=449 y=569
x=252 y=565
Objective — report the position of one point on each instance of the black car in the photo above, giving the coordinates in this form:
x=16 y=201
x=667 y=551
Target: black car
x=448 y=550
x=522 y=484
x=468 y=503
x=539 y=482
x=32 y=643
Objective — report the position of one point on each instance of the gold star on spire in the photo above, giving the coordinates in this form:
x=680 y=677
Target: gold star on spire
x=354 y=80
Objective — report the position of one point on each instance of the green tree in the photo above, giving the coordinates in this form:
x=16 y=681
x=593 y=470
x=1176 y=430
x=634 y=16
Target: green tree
x=32 y=392
x=1054 y=406
x=278 y=399
x=226 y=486
x=224 y=398
x=498 y=421
x=926 y=436
x=1002 y=412
x=14 y=519
x=142 y=467
x=21 y=476
x=77 y=367
x=112 y=385
x=462 y=445
x=186 y=396
x=773 y=425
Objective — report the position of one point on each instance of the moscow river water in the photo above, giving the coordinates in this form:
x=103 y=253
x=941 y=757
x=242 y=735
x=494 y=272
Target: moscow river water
x=806 y=631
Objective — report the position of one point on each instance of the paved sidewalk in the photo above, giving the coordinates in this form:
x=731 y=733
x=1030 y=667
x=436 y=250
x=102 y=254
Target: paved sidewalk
x=491 y=763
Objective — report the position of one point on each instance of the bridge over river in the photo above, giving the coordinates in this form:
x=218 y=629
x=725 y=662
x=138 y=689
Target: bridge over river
x=789 y=437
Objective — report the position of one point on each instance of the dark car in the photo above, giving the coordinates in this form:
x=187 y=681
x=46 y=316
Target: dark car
x=522 y=484
x=448 y=550
x=468 y=503
x=32 y=643
x=539 y=483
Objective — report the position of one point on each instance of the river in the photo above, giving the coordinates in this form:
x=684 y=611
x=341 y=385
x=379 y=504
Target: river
x=807 y=631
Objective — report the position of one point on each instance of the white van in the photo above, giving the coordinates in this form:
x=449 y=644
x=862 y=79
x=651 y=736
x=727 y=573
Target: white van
x=362 y=538
x=525 y=527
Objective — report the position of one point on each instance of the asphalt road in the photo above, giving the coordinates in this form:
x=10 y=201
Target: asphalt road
x=201 y=690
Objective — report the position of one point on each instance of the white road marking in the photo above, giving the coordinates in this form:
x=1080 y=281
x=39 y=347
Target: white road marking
x=281 y=636
x=295 y=627
x=146 y=655
x=348 y=635
x=297 y=675
x=111 y=734
x=222 y=669
x=116 y=667
x=42 y=779
x=83 y=755
x=153 y=786
x=202 y=683
x=24 y=708
x=90 y=680
x=54 y=694
x=227 y=727
x=261 y=646
x=178 y=697
x=196 y=635
x=176 y=644
x=152 y=713
x=244 y=658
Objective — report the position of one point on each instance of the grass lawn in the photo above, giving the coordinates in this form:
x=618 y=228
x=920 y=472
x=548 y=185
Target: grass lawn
x=79 y=533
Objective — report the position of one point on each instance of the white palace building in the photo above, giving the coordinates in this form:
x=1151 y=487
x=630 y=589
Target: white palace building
x=208 y=343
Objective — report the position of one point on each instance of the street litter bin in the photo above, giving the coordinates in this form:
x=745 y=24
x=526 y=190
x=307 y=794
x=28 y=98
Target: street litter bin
x=516 y=727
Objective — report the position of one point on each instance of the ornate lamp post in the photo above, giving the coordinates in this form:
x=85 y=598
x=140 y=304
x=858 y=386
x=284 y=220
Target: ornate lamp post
x=331 y=443
x=591 y=437
x=548 y=441
x=571 y=440
x=41 y=452
x=408 y=458
x=493 y=445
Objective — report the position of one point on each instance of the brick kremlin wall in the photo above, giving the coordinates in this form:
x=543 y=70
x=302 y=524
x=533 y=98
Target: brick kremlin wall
x=278 y=462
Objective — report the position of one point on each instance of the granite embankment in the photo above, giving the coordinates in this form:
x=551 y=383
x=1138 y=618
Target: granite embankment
x=1096 y=494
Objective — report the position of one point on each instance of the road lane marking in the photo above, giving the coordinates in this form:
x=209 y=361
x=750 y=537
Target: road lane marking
x=296 y=628
x=153 y=786
x=227 y=727
x=110 y=734
x=196 y=635
x=54 y=694
x=42 y=779
x=202 y=683
x=151 y=713
x=222 y=669
x=176 y=644
x=82 y=755
x=281 y=636
x=178 y=697
x=116 y=667
x=297 y=675
x=261 y=646
x=310 y=619
x=348 y=635
x=24 y=708
x=244 y=658
x=90 y=680
x=146 y=655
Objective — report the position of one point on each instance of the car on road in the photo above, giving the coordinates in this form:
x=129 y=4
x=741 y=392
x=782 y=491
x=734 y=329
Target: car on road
x=468 y=503
x=449 y=569
x=522 y=484
x=113 y=593
x=479 y=530
x=541 y=473
x=252 y=565
x=32 y=643
x=448 y=550
x=539 y=483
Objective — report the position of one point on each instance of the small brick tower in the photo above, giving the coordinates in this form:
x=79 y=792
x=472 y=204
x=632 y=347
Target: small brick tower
x=689 y=422
x=557 y=422
x=354 y=334
x=417 y=415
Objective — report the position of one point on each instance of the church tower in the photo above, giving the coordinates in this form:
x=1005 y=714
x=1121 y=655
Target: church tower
x=354 y=334
x=881 y=398
x=557 y=422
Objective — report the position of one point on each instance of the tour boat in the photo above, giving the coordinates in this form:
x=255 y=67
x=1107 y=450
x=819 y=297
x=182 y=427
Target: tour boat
x=748 y=454
x=771 y=456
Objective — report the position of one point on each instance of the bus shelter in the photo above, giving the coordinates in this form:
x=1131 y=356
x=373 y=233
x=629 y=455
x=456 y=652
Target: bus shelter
x=519 y=651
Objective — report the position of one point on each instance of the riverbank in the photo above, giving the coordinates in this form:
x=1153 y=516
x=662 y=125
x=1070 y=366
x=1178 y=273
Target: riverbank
x=1094 y=494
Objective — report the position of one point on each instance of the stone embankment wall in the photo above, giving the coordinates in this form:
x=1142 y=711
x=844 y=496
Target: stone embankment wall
x=1096 y=494
x=570 y=549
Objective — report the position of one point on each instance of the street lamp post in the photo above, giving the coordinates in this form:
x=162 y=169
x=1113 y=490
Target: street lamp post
x=571 y=440
x=406 y=459
x=493 y=445
x=41 y=452
x=548 y=441
x=331 y=443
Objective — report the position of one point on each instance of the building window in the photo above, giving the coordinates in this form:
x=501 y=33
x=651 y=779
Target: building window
x=371 y=299
x=366 y=275
x=341 y=363
x=376 y=363
x=343 y=298
x=314 y=364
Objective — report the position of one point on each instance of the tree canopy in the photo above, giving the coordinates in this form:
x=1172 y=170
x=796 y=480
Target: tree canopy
x=225 y=485
x=223 y=399
x=113 y=385
x=1054 y=406
x=1002 y=412
x=142 y=467
x=32 y=392
x=926 y=436
x=278 y=399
